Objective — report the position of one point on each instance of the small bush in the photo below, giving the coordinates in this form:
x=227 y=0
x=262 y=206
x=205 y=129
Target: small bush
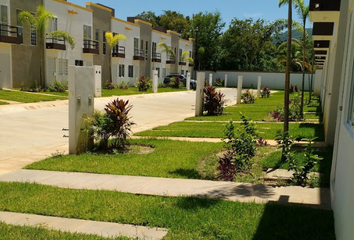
x=161 y=85
x=143 y=84
x=294 y=88
x=219 y=82
x=123 y=85
x=175 y=82
x=265 y=92
x=294 y=109
x=213 y=102
x=58 y=87
x=35 y=87
x=247 y=97
x=108 y=85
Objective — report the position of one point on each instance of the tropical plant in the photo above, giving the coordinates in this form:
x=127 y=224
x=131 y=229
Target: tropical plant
x=143 y=84
x=213 y=102
x=167 y=49
x=219 y=82
x=112 y=41
x=186 y=58
x=175 y=82
x=58 y=87
x=265 y=92
x=40 y=22
x=247 y=97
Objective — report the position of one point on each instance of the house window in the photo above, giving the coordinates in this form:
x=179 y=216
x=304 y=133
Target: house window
x=19 y=27
x=63 y=66
x=79 y=63
x=136 y=43
x=141 y=44
x=87 y=36
x=180 y=55
x=104 y=42
x=153 y=47
x=116 y=47
x=53 y=25
x=121 y=70
x=146 y=50
x=158 y=72
x=3 y=19
x=130 y=71
x=33 y=34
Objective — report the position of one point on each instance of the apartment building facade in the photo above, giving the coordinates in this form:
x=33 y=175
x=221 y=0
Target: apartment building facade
x=137 y=56
x=334 y=49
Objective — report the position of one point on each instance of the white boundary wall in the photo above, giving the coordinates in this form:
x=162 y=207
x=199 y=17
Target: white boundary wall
x=250 y=79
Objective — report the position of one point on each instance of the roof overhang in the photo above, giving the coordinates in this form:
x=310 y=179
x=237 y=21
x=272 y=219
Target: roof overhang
x=322 y=31
x=321 y=45
x=324 y=10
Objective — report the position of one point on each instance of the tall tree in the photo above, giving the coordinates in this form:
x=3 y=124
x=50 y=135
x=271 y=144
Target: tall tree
x=150 y=17
x=303 y=12
x=287 y=77
x=112 y=42
x=40 y=22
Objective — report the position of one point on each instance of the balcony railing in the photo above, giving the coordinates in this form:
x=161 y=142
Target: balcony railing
x=182 y=63
x=55 y=43
x=139 y=54
x=9 y=34
x=170 y=59
x=156 y=57
x=118 y=51
x=90 y=46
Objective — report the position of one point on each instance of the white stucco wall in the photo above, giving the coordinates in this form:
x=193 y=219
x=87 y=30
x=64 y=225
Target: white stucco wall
x=130 y=31
x=185 y=46
x=158 y=37
x=250 y=79
x=5 y=66
x=73 y=24
x=317 y=82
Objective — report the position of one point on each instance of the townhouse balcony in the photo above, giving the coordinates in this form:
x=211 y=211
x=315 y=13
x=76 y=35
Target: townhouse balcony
x=9 y=34
x=90 y=46
x=170 y=59
x=55 y=43
x=118 y=51
x=324 y=10
x=156 y=57
x=191 y=64
x=139 y=54
x=182 y=63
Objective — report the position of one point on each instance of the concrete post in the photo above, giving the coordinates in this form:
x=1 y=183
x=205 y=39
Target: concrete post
x=210 y=79
x=154 y=81
x=81 y=104
x=98 y=81
x=225 y=81
x=188 y=82
x=239 y=89
x=259 y=86
x=199 y=94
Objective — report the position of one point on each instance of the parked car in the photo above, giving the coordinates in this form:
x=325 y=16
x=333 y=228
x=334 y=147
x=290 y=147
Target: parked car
x=167 y=80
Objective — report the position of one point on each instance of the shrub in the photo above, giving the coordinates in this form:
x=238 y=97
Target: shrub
x=35 y=87
x=247 y=97
x=294 y=110
x=58 y=87
x=175 y=82
x=115 y=123
x=294 y=88
x=108 y=85
x=213 y=101
x=123 y=85
x=241 y=149
x=265 y=92
x=219 y=82
x=143 y=84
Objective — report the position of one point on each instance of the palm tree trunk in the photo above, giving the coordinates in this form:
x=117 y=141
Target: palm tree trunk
x=303 y=70
x=110 y=64
x=311 y=81
x=287 y=75
x=41 y=64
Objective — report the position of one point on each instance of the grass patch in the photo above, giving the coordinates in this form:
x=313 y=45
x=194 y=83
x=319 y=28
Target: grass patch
x=135 y=90
x=9 y=232
x=215 y=130
x=26 y=97
x=4 y=103
x=185 y=217
x=159 y=163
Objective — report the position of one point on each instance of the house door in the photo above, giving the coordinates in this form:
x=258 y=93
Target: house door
x=5 y=71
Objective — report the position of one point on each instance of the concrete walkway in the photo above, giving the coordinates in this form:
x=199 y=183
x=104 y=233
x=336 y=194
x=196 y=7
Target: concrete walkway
x=103 y=229
x=242 y=192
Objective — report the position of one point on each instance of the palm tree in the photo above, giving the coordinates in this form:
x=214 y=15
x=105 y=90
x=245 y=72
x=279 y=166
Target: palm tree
x=40 y=22
x=167 y=49
x=303 y=12
x=186 y=58
x=112 y=42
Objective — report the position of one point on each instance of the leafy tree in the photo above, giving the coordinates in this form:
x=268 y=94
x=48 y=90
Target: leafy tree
x=150 y=17
x=112 y=42
x=175 y=21
x=40 y=22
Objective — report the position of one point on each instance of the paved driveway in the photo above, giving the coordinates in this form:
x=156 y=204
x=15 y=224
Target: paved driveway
x=30 y=132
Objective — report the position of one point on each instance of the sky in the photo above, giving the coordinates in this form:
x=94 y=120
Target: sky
x=229 y=9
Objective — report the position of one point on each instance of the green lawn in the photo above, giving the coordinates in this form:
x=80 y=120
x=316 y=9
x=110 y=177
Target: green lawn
x=4 y=103
x=171 y=159
x=11 y=232
x=184 y=217
x=215 y=130
x=135 y=90
x=26 y=97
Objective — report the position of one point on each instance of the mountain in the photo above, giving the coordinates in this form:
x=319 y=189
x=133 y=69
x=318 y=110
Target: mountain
x=294 y=34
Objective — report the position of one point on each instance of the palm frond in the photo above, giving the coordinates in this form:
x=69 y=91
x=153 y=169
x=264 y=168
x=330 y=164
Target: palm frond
x=64 y=35
x=27 y=18
x=114 y=40
x=167 y=49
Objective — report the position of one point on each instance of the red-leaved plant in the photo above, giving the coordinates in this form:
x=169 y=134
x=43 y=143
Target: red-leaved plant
x=213 y=101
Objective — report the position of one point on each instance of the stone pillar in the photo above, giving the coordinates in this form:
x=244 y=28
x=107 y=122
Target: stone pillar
x=188 y=81
x=199 y=94
x=98 y=81
x=154 y=81
x=239 y=89
x=225 y=81
x=210 y=79
x=81 y=104
x=259 y=86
